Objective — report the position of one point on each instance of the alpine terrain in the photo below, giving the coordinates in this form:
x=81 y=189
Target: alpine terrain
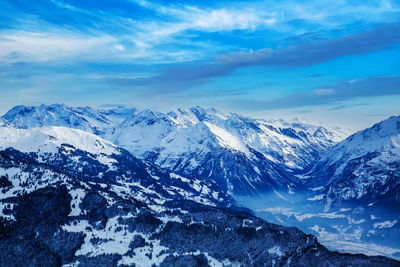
x=242 y=155
x=120 y=187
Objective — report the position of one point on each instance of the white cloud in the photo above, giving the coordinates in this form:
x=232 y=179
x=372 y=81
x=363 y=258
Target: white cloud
x=32 y=46
x=175 y=20
x=173 y=26
x=222 y=19
x=385 y=224
x=252 y=15
x=119 y=47
x=60 y=45
x=210 y=19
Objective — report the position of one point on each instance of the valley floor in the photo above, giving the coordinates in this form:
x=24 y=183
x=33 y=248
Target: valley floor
x=345 y=230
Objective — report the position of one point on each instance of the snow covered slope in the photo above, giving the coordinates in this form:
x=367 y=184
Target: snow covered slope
x=242 y=154
x=365 y=167
x=49 y=139
x=67 y=153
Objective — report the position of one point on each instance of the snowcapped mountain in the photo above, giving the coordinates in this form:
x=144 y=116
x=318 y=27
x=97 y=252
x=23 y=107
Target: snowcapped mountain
x=71 y=198
x=353 y=204
x=83 y=118
x=71 y=153
x=364 y=168
x=243 y=155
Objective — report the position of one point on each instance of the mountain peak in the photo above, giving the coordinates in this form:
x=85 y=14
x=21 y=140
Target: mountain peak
x=390 y=126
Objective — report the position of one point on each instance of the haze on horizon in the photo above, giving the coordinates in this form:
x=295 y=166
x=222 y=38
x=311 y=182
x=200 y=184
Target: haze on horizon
x=336 y=62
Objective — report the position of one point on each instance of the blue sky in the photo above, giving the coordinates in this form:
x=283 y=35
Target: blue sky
x=331 y=61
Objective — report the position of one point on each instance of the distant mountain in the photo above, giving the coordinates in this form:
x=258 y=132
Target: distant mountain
x=71 y=198
x=243 y=155
x=364 y=168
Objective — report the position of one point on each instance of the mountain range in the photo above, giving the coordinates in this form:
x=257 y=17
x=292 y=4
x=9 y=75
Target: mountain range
x=119 y=186
x=243 y=155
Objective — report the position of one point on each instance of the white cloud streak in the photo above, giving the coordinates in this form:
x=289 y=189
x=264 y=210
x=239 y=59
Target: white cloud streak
x=40 y=47
x=175 y=26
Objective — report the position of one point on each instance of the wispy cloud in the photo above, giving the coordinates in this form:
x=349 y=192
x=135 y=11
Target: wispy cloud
x=124 y=33
x=188 y=17
x=310 y=53
x=250 y=15
x=29 y=46
x=303 y=54
x=331 y=94
x=136 y=36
